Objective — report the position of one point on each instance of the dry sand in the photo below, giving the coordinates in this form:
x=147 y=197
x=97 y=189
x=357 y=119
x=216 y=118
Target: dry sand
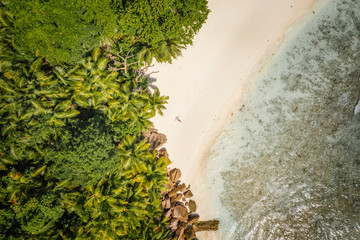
x=206 y=84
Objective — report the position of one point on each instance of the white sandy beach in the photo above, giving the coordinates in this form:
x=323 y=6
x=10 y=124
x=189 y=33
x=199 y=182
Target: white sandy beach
x=206 y=84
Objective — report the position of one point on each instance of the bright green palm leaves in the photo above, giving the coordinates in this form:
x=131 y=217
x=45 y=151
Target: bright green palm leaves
x=168 y=50
x=91 y=83
x=32 y=105
x=34 y=93
x=144 y=178
x=157 y=102
x=135 y=154
x=140 y=165
x=26 y=102
x=7 y=46
x=125 y=203
x=31 y=96
x=118 y=97
x=37 y=103
x=148 y=53
x=164 y=51
x=114 y=208
x=107 y=211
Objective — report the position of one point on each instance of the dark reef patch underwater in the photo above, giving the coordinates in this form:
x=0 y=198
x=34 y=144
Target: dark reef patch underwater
x=290 y=159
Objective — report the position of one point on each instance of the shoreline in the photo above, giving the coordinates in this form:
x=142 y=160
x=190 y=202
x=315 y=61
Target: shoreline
x=203 y=103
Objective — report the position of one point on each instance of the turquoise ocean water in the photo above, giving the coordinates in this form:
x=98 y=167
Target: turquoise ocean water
x=288 y=165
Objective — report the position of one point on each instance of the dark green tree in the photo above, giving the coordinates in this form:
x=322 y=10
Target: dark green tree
x=61 y=30
x=69 y=167
x=73 y=164
x=64 y=30
x=154 y=21
x=83 y=152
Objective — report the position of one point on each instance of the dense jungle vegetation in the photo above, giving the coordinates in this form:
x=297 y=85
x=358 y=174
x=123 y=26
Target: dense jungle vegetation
x=74 y=106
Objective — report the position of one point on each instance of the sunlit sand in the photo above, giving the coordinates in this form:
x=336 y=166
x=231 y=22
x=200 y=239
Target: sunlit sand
x=205 y=85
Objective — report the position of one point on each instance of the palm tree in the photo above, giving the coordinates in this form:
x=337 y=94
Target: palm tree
x=92 y=84
x=168 y=49
x=164 y=51
x=134 y=154
x=157 y=102
x=147 y=53
x=35 y=104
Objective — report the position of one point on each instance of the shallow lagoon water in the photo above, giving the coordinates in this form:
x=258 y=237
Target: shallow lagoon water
x=288 y=165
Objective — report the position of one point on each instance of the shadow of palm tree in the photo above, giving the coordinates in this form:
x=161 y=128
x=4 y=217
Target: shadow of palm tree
x=151 y=81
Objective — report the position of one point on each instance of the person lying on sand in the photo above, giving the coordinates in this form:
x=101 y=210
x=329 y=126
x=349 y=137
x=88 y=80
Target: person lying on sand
x=177 y=118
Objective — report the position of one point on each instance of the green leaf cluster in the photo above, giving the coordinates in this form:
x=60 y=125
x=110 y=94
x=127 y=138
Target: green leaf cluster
x=38 y=214
x=6 y=222
x=73 y=162
x=36 y=102
x=61 y=30
x=160 y=30
x=125 y=203
x=154 y=21
x=74 y=133
x=84 y=152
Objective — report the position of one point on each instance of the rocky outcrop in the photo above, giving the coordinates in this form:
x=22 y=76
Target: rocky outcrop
x=180 y=212
x=162 y=153
x=178 y=209
x=155 y=139
x=211 y=225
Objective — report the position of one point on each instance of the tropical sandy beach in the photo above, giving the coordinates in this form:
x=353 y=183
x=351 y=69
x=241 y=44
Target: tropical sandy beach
x=206 y=84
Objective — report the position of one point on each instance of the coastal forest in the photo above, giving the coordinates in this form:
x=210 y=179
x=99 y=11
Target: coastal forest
x=75 y=110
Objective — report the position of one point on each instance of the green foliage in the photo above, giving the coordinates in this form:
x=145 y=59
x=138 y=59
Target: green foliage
x=73 y=163
x=6 y=222
x=61 y=30
x=84 y=152
x=160 y=30
x=30 y=111
x=152 y=21
x=37 y=101
x=124 y=204
x=7 y=47
x=64 y=30
x=38 y=215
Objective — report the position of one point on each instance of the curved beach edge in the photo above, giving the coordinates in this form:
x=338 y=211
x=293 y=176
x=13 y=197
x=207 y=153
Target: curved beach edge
x=207 y=83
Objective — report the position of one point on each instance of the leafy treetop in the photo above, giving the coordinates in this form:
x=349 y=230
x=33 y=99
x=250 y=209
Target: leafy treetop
x=55 y=182
x=154 y=21
x=61 y=30
x=84 y=152
x=69 y=167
